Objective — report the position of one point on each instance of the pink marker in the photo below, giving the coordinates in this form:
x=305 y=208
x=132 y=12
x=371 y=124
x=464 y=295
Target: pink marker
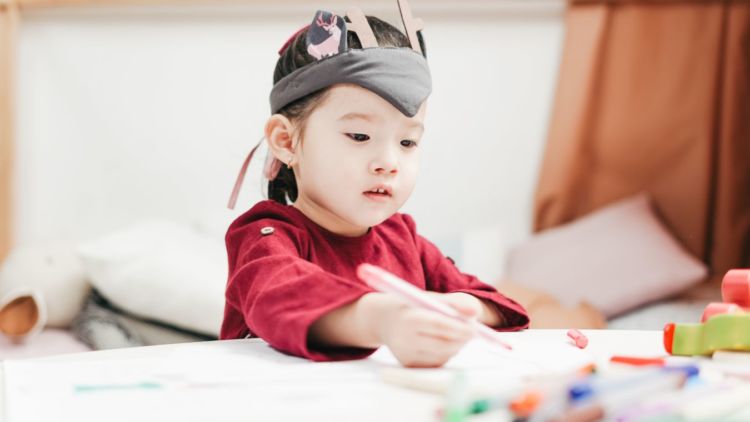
x=578 y=338
x=383 y=281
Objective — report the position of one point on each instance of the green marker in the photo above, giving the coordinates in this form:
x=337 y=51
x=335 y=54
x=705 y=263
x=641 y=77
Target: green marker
x=485 y=405
x=457 y=409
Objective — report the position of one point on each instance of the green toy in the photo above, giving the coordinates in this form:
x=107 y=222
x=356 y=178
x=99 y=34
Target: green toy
x=720 y=332
x=724 y=326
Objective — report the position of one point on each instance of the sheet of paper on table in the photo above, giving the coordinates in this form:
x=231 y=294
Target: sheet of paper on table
x=232 y=379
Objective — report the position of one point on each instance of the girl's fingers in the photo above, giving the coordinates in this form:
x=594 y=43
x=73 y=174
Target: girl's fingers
x=439 y=346
x=464 y=303
x=448 y=336
x=435 y=351
x=437 y=325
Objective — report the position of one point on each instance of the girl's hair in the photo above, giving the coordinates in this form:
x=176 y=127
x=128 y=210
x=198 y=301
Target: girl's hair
x=284 y=186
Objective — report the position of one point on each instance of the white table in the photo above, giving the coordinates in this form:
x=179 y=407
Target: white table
x=247 y=380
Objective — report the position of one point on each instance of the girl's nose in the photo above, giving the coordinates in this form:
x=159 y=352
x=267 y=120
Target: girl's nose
x=385 y=163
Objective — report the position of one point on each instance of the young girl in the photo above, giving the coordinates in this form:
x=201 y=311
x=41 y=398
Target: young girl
x=348 y=107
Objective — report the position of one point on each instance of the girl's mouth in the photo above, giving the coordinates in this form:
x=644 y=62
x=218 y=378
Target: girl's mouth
x=378 y=194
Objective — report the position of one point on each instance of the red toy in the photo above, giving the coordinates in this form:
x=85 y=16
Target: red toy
x=735 y=294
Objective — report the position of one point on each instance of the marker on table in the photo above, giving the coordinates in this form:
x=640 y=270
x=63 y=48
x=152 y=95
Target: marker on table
x=588 y=389
x=580 y=340
x=90 y=388
x=610 y=399
x=638 y=360
x=383 y=281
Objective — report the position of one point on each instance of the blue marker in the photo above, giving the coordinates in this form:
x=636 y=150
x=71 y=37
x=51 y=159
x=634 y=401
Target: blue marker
x=584 y=390
x=611 y=397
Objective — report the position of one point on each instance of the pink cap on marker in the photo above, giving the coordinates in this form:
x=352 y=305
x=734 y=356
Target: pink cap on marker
x=580 y=340
x=719 y=308
x=735 y=287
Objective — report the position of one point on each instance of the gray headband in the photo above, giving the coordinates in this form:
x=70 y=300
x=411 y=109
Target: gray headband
x=399 y=75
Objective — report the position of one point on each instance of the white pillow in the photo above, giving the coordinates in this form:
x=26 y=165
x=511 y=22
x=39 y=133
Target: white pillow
x=615 y=258
x=162 y=271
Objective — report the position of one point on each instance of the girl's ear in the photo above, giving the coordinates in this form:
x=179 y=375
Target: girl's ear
x=280 y=135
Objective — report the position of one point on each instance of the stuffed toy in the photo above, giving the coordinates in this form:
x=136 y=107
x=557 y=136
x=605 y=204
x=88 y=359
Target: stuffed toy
x=41 y=285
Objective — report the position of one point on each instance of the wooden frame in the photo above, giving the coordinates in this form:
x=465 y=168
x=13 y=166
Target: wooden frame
x=9 y=16
x=11 y=12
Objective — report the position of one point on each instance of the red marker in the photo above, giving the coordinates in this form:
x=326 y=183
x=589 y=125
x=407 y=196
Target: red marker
x=637 y=361
x=580 y=340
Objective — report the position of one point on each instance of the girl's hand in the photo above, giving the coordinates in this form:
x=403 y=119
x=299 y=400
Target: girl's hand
x=464 y=303
x=417 y=337
x=471 y=305
x=423 y=338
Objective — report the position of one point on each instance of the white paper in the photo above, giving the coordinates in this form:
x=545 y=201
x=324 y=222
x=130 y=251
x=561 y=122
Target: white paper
x=241 y=380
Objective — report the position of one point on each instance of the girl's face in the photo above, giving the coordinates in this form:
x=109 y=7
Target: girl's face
x=358 y=162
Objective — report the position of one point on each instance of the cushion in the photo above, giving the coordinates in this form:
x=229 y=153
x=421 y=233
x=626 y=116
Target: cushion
x=615 y=258
x=163 y=271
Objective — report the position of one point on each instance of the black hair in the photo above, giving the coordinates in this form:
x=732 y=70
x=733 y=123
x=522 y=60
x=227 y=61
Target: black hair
x=295 y=56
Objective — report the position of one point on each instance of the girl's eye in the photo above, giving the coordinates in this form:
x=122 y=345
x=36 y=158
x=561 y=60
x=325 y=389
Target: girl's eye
x=358 y=137
x=408 y=143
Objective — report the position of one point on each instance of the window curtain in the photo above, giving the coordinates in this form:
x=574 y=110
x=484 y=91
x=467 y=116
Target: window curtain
x=654 y=96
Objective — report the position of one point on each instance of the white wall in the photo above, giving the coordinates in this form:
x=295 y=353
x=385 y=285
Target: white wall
x=130 y=113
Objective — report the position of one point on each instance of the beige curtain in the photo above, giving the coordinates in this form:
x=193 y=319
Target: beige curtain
x=655 y=96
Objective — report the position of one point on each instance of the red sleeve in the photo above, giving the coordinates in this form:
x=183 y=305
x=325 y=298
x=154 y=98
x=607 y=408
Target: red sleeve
x=442 y=275
x=280 y=294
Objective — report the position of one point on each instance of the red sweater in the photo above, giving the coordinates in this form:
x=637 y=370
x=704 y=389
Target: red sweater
x=281 y=282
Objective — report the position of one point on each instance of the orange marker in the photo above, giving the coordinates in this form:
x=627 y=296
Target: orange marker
x=580 y=340
x=524 y=405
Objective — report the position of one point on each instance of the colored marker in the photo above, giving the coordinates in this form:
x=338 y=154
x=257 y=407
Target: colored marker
x=547 y=396
x=585 y=390
x=580 y=340
x=90 y=388
x=383 y=281
x=457 y=399
x=608 y=402
x=663 y=406
x=637 y=361
x=478 y=407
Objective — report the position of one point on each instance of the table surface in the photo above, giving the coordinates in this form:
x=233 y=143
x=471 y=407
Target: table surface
x=248 y=380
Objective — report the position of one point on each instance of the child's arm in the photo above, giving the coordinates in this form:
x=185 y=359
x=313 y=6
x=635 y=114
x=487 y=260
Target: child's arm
x=442 y=276
x=299 y=308
x=417 y=337
x=278 y=295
